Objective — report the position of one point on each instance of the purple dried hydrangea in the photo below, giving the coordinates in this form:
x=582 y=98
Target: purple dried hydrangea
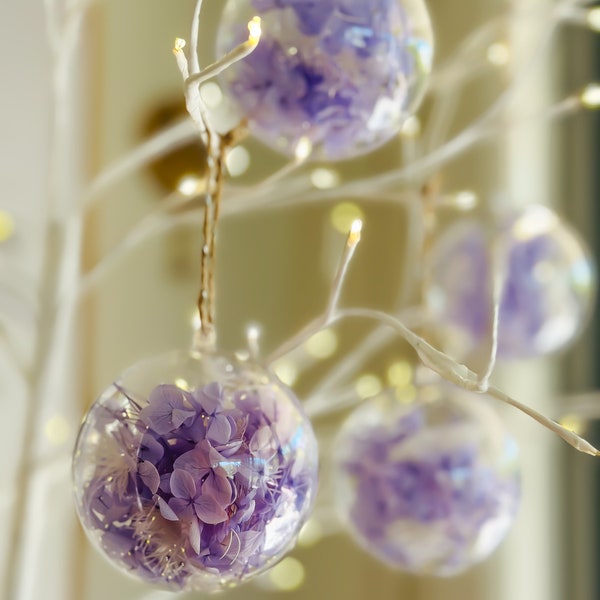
x=430 y=488
x=195 y=489
x=342 y=74
x=548 y=290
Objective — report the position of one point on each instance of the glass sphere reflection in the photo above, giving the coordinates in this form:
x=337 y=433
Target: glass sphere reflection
x=340 y=75
x=548 y=289
x=195 y=471
x=431 y=487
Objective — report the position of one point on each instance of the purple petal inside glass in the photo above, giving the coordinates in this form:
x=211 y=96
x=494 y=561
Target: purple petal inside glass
x=182 y=488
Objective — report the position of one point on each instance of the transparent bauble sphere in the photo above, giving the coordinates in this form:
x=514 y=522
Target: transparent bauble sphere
x=195 y=471
x=548 y=290
x=340 y=76
x=431 y=487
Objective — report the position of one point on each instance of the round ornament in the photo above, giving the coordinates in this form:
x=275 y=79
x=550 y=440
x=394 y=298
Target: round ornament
x=195 y=471
x=548 y=283
x=428 y=488
x=339 y=75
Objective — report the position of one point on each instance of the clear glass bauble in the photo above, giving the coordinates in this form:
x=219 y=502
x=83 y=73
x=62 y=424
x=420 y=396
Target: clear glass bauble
x=429 y=488
x=341 y=75
x=195 y=471
x=549 y=283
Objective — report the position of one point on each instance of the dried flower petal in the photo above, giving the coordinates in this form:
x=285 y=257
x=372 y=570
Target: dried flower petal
x=149 y=475
x=166 y=511
x=219 y=430
x=182 y=484
x=151 y=449
x=208 y=510
x=168 y=407
x=197 y=461
x=210 y=397
x=194 y=535
x=218 y=485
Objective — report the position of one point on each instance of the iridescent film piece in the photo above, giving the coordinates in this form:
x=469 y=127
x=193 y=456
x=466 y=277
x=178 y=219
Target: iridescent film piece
x=547 y=278
x=339 y=75
x=195 y=471
x=431 y=487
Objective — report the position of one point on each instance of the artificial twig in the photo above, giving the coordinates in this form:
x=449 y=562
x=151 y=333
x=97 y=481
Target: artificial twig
x=166 y=140
x=324 y=320
x=462 y=376
x=238 y=53
x=498 y=280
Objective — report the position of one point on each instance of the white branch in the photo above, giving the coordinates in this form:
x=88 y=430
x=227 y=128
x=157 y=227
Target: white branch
x=375 y=341
x=338 y=281
x=321 y=405
x=10 y=352
x=216 y=68
x=166 y=140
x=498 y=276
x=300 y=189
x=148 y=228
x=194 y=33
x=327 y=317
x=568 y=436
x=462 y=376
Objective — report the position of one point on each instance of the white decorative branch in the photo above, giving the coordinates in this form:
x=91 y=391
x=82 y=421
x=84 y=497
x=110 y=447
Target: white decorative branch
x=462 y=376
x=168 y=139
x=328 y=316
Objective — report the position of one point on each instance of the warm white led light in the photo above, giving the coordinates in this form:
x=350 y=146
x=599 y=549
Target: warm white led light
x=590 y=97
x=303 y=149
x=211 y=94
x=7 y=226
x=344 y=214
x=593 y=18
x=255 y=30
x=498 y=54
x=324 y=179
x=322 y=345
x=288 y=575
x=237 y=161
x=367 y=386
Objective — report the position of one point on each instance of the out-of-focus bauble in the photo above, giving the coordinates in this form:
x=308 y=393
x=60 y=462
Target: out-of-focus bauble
x=431 y=487
x=340 y=75
x=548 y=291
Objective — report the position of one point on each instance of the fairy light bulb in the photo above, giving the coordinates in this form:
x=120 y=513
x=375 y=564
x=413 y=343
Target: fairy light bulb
x=590 y=96
x=430 y=487
x=195 y=471
x=593 y=18
x=254 y=30
x=343 y=75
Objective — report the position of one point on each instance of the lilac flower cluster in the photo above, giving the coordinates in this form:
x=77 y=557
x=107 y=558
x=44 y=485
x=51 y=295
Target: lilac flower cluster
x=195 y=489
x=548 y=285
x=420 y=494
x=340 y=73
